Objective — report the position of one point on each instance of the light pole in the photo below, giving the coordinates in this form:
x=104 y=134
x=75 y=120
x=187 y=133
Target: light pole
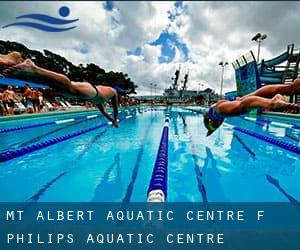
x=259 y=38
x=222 y=64
x=151 y=86
x=155 y=85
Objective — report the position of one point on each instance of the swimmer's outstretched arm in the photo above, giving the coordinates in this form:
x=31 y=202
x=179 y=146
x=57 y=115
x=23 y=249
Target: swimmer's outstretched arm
x=107 y=115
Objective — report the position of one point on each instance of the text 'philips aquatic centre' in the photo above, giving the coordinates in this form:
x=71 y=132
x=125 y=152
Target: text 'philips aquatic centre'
x=148 y=215
x=117 y=238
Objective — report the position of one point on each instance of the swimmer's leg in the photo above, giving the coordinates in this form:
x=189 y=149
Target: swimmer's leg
x=63 y=81
x=11 y=58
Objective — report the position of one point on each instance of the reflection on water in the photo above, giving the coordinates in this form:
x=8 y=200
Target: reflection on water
x=110 y=186
x=40 y=193
x=212 y=178
x=276 y=184
x=136 y=167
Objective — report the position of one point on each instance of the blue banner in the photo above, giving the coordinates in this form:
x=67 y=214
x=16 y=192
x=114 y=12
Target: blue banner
x=149 y=225
x=247 y=79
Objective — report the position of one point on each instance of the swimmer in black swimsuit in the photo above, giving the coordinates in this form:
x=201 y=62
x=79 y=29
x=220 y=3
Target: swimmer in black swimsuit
x=97 y=94
x=268 y=97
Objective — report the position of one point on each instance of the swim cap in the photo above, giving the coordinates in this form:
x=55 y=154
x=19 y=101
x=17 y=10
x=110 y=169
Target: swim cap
x=211 y=124
x=122 y=91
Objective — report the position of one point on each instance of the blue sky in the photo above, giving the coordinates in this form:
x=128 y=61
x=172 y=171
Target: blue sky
x=168 y=41
x=83 y=48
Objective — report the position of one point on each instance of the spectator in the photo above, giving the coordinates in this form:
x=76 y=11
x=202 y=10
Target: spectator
x=88 y=105
x=41 y=100
x=27 y=95
x=35 y=100
x=9 y=98
x=3 y=110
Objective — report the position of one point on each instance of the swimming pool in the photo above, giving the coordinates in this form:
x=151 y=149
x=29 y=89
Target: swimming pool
x=109 y=164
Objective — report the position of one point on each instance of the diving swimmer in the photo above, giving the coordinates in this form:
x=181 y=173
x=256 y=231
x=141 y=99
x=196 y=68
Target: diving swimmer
x=267 y=97
x=96 y=94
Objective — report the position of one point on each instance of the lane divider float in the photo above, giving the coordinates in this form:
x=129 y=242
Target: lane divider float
x=158 y=187
x=6 y=130
x=285 y=145
x=11 y=154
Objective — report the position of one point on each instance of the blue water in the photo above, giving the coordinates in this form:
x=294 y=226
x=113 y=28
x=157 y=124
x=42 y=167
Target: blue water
x=110 y=164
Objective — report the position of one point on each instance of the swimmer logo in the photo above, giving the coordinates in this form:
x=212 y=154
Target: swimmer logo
x=58 y=22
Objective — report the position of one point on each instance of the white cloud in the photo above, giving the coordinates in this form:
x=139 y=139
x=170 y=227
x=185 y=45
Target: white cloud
x=151 y=53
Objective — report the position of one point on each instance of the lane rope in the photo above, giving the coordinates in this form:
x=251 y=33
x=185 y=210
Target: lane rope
x=158 y=186
x=58 y=122
x=285 y=145
x=11 y=154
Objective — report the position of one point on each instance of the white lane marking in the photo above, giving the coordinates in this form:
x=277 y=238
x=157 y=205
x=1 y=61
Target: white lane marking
x=226 y=125
x=250 y=118
x=279 y=124
x=64 y=121
x=91 y=116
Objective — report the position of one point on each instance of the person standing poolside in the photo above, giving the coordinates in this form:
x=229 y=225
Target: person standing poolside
x=28 y=98
x=9 y=98
x=3 y=110
x=41 y=100
x=35 y=100
x=268 y=97
x=96 y=94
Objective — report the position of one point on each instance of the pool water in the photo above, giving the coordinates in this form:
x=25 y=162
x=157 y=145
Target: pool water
x=110 y=164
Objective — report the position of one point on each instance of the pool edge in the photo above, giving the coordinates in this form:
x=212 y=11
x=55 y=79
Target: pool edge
x=46 y=114
x=281 y=115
